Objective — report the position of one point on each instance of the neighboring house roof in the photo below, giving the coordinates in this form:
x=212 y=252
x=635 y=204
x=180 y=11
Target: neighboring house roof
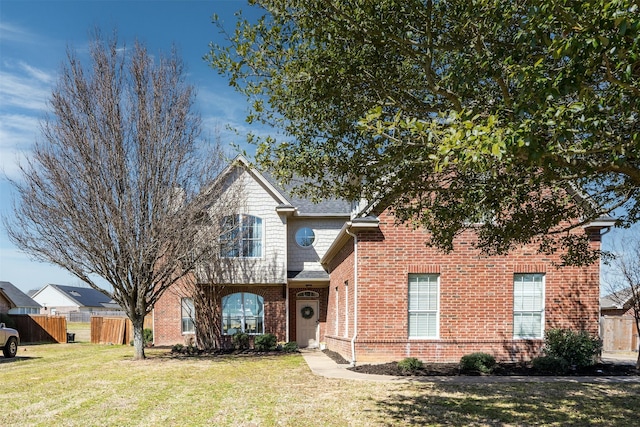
x=617 y=300
x=86 y=297
x=16 y=297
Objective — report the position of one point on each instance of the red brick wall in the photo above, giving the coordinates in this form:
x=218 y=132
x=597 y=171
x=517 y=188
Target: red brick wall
x=167 y=317
x=4 y=304
x=476 y=297
x=341 y=288
x=168 y=314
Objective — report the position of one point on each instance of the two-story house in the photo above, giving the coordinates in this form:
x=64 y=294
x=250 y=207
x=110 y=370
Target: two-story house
x=372 y=290
x=275 y=283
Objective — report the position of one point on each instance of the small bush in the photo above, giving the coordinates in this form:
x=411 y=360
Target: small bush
x=477 y=363
x=579 y=349
x=147 y=336
x=410 y=365
x=240 y=341
x=551 y=365
x=266 y=342
x=191 y=349
x=290 y=347
x=177 y=348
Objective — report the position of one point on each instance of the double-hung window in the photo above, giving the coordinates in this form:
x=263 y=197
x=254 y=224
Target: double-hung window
x=423 y=305
x=528 y=306
x=188 y=316
x=241 y=236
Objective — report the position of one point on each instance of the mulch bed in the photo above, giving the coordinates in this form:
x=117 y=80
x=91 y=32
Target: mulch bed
x=501 y=369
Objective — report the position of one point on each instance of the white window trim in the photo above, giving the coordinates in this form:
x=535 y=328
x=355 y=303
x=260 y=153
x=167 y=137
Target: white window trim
x=193 y=320
x=315 y=238
x=242 y=323
x=437 y=335
x=239 y=218
x=337 y=319
x=543 y=309
x=308 y=294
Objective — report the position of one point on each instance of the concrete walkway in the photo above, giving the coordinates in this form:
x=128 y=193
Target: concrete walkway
x=322 y=365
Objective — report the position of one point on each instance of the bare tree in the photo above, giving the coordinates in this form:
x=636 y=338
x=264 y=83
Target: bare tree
x=215 y=270
x=623 y=281
x=118 y=182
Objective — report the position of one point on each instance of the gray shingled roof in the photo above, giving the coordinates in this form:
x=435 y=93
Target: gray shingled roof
x=616 y=301
x=306 y=206
x=17 y=297
x=87 y=297
x=308 y=275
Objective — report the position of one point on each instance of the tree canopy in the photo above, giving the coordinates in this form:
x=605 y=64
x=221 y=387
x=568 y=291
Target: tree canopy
x=116 y=186
x=451 y=111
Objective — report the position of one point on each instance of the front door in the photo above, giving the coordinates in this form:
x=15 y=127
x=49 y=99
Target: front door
x=307 y=323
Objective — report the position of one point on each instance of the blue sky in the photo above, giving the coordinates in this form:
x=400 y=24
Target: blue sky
x=34 y=36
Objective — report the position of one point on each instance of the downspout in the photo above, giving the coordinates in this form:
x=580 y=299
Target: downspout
x=355 y=296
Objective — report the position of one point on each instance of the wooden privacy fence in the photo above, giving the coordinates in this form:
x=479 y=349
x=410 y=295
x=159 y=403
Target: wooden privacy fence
x=618 y=333
x=41 y=328
x=113 y=330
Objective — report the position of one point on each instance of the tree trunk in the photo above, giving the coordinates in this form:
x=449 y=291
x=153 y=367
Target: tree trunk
x=637 y=319
x=138 y=339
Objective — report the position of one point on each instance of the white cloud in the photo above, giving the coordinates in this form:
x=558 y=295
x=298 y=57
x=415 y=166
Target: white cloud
x=15 y=33
x=17 y=134
x=25 y=87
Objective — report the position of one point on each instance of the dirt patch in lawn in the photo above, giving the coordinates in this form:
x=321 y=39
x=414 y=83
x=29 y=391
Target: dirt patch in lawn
x=501 y=369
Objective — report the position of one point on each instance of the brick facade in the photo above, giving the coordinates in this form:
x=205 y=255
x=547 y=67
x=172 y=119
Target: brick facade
x=5 y=305
x=475 y=297
x=167 y=314
x=364 y=304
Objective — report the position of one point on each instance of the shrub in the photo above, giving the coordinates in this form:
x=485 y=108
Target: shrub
x=147 y=336
x=177 y=348
x=579 y=349
x=410 y=365
x=240 y=341
x=552 y=365
x=477 y=363
x=266 y=342
x=290 y=347
x=191 y=349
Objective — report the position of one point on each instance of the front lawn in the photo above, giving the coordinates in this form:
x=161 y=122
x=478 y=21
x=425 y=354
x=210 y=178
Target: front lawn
x=90 y=385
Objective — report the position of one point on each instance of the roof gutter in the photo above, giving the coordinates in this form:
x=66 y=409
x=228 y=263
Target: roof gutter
x=355 y=296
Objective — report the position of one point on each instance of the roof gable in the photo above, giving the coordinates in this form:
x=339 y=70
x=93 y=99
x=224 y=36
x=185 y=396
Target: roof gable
x=284 y=197
x=621 y=299
x=16 y=296
x=85 y=297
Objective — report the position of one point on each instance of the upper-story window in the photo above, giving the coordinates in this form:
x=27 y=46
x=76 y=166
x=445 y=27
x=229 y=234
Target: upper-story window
x=241 y=236
x=305 y=237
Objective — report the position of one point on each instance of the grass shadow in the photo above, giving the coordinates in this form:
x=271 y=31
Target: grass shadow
x=17 y=359
x=566 y=404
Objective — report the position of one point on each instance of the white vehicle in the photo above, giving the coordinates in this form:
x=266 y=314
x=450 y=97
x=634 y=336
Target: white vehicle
x=9 y=340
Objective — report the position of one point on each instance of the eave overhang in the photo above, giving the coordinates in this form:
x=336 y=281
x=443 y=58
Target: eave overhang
x=349 y=228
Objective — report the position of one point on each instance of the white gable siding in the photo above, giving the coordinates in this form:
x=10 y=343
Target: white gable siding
x=325 y=230
x=271 y=267
x=51 y=297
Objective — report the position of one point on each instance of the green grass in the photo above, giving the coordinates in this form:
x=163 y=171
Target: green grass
x=89 y=385
x=81 y=329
